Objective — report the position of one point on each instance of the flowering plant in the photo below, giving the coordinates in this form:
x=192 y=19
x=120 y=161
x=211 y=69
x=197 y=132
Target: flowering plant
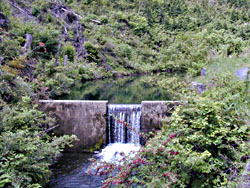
x=133 y=170
x=205 y=144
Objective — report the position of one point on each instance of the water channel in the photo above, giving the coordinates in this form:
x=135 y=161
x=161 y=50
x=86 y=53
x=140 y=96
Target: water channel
x=124 y=96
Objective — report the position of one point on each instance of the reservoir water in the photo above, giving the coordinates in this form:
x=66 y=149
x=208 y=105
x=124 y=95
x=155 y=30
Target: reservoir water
x=127 y=90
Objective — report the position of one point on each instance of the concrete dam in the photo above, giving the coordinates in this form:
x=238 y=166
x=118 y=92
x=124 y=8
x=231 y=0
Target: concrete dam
x=95 y=125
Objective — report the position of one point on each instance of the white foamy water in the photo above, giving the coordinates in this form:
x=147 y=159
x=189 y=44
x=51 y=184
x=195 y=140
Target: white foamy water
x=112 y=152
x=129 y=113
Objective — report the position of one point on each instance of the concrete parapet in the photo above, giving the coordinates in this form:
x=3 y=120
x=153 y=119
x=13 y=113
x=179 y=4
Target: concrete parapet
x=85 y=119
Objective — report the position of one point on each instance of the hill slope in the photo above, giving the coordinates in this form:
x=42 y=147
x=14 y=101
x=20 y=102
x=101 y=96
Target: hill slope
x=75 y=40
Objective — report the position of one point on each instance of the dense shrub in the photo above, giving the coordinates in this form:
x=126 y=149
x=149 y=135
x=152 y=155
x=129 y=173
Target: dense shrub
x=26 y=148
x=92 y=50
x=10 y=49
x=70 y=51
x=49 y=37
x=204 y=144
x=123 y=37
x=12 y=88
x=139 y=24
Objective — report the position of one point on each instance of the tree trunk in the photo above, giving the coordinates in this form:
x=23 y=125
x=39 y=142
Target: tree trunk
x=58 y=54
x=27 y=45
x=65 y=59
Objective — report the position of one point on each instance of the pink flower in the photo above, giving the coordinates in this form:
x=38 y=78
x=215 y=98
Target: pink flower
x=172 y=135
x=41 y=44
x=174 y=153
x=165 y=174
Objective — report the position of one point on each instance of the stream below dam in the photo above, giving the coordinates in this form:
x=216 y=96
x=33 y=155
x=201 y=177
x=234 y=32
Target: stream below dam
x=124 y=96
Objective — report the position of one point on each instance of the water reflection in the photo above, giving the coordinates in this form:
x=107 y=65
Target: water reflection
x=128 y=90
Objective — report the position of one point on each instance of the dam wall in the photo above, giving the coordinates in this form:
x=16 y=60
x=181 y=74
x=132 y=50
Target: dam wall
x=88 y=120
x=85 y=119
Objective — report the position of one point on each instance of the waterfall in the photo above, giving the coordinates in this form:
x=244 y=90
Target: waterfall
x=117 y=132
x=120 y=138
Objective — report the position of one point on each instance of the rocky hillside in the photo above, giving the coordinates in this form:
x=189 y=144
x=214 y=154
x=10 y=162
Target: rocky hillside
x=55 y=44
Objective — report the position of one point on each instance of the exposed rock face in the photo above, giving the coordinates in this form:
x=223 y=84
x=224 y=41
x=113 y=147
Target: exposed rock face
x=246 y=176
x=242 y=73
x=152 y=113
x=85 y=119
x=199 y=86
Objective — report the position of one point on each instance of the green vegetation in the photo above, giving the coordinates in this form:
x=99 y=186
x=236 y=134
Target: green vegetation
x=78 y=40
x=26 y=148
x=105 y=38
x=205 y=143
x=224 y=66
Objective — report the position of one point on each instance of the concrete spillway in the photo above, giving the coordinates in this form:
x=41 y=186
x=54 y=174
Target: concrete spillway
x=118 y=114
x=90 y=120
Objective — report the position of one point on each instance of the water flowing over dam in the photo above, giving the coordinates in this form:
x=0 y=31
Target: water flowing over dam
x=124 y=122
x=115 y=125
x=96 y=124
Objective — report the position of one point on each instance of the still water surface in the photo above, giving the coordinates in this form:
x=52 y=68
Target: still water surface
x=127 y=90
x=70 y=171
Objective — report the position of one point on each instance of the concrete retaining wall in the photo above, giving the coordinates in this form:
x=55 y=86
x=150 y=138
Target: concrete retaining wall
x=88 y=119
x=85 y=119
x=153 y=112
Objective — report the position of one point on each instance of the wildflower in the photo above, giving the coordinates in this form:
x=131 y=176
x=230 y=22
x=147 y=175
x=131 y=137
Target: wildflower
x=174 y=153
x=165 y=174
x=172 y=135
x=41 y=44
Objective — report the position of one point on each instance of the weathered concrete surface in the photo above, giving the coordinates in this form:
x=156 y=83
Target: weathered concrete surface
x=88 y=119
x=152 y=113
x=85 y=119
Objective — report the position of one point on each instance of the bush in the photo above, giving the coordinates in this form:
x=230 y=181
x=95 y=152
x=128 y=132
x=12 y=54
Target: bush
x=13 y=87
x=92 y=50
x=139 y=24
x=70 y=51
x=49 y=37
x=39 y=6
x=10 y=49
x=5 y=8
x=18 y=63
x=204 y=144
x=124 y=50
x=26 y=150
